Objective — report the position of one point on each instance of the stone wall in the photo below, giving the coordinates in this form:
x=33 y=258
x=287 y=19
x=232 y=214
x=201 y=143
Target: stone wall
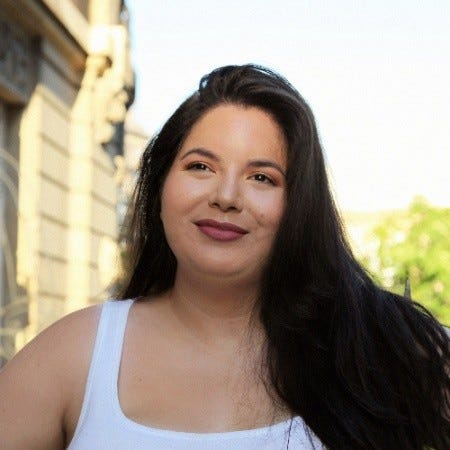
x=65 y=87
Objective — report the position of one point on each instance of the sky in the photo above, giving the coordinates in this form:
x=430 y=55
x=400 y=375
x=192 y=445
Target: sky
x=375 y=73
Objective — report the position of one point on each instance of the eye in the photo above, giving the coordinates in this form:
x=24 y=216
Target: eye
x=262 y=178
x=198 y=166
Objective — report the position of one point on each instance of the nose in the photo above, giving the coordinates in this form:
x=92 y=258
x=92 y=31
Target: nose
x=226 y=194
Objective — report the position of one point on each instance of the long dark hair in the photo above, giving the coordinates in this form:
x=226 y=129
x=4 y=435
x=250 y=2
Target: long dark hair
x=364 y=368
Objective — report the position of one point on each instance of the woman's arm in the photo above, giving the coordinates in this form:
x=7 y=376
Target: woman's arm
x=44 y=383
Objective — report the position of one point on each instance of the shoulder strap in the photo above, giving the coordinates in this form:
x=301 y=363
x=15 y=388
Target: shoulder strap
x=101 y=385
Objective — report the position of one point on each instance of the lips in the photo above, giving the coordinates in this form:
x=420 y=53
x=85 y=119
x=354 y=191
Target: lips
x=221 y=231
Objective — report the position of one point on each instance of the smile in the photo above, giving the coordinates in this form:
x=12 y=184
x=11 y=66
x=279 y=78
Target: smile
x=220 y=231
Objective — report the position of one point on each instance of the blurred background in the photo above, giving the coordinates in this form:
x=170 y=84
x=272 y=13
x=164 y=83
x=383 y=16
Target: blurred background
x=84 y=84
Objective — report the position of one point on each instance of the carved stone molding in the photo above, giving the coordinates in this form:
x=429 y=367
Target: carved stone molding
x=14 y=318
x=114 y=90
x=16 y=65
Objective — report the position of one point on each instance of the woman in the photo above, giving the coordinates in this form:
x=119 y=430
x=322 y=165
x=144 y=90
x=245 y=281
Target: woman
x=253 y=324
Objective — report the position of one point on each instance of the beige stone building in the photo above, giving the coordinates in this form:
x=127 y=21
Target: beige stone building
x=65 y=86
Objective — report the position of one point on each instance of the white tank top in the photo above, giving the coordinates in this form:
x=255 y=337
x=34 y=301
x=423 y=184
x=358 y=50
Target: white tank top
x=102 y=424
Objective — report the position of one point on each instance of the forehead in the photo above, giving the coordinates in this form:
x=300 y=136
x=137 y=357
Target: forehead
x=238 y=130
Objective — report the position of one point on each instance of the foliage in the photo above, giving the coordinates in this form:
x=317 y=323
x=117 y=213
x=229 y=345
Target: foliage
x=416 y=244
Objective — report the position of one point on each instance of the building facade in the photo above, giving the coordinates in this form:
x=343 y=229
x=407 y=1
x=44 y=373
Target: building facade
x=65 y=87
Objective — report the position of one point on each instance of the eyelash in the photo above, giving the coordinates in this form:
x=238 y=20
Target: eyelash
x=257 y=176
x=198 y=166
x=266 y=178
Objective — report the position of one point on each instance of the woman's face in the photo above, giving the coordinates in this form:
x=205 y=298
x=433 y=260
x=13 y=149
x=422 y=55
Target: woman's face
x=225 y=193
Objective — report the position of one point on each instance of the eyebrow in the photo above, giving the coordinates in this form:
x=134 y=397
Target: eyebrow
x=253 y=163
x=201 y=152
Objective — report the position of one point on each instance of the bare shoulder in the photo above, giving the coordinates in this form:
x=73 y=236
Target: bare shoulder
x=56 y=346
x=45 y=380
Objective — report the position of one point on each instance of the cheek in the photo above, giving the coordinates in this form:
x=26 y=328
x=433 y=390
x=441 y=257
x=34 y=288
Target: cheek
x=181 y=189
x=180 y=198
x=171 y=194
x=269 y=211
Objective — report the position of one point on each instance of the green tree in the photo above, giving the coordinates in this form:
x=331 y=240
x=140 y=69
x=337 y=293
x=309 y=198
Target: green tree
x=415 y=244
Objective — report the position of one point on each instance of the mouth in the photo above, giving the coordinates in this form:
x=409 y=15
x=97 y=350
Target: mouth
x=220 y=231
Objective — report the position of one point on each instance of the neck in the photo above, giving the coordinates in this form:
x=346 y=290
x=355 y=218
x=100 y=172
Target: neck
x=215 y=310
